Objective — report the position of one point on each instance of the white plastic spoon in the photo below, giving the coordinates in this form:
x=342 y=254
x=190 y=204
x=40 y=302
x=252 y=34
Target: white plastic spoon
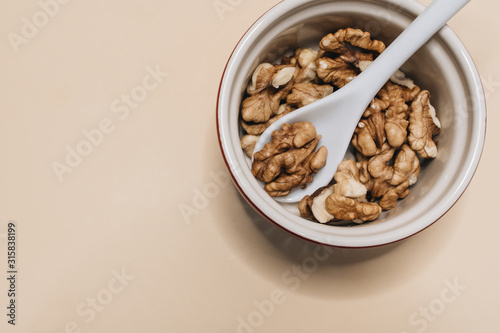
x=337 y=115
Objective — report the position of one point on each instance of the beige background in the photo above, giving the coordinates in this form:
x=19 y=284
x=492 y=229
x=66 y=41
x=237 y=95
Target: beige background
x=220 y=268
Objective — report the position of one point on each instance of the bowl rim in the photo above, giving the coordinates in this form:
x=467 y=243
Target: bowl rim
x=452 y=41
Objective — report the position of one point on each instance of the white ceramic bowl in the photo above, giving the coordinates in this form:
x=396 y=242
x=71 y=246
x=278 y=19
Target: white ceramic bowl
x=442 y=66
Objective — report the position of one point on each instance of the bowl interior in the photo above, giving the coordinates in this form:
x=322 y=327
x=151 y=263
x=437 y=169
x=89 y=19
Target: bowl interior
x=442 y=66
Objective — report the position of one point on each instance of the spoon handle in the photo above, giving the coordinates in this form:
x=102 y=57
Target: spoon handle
x=430 y=21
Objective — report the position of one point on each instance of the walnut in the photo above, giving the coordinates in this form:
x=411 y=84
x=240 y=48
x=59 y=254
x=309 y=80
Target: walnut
x=259 y=128
x=378 y=165
x=307 y=66
x=390 y=199
x=254 y=128
x=248 y=143
x=313 y=206
x=335 y=71
x=397 y=113
x=307 y=57
x=261 y=78
x=406 y=167
x=290 y=159
x=353 y=47
x=342 y=41
x=382 y=178
x=395 y=129
x=286 y=183
x=423 y=126
x=261 y=106
x=282 y=76
x=347 y=181
x=347 y=209
x=305 y=93
x=304 y=208
x=266 y=75
x=268 y=87
x=369 y=135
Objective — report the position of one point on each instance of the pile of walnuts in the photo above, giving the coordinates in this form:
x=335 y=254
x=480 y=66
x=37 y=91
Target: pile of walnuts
x=397 y=130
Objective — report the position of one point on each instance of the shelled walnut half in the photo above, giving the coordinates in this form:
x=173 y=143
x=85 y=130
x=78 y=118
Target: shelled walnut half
x=290 y=160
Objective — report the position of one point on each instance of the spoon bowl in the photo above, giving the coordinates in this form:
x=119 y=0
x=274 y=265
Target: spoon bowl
x=337 y=115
